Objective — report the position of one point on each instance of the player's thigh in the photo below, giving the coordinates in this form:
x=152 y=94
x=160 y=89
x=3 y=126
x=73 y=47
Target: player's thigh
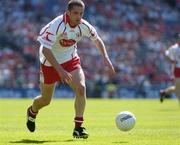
x=177 y=84
x=47 y=90
x=78 y=79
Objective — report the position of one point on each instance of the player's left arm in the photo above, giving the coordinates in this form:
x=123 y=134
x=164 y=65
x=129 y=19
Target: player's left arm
x=100 y=45
x=90 y=32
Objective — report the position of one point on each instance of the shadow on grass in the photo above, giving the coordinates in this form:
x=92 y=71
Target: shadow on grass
x=39 y=141
x=32 y=141
x=68 y=140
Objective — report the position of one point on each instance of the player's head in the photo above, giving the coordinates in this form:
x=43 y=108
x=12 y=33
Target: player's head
x=75 y=10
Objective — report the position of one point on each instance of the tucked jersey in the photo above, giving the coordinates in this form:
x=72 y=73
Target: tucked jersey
x=174 y=54
x=62 y=39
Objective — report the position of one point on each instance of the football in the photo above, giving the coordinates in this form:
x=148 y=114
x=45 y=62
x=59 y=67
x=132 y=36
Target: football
x=125 y=120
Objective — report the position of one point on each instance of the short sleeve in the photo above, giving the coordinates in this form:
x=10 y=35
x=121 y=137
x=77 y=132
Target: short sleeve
x=47 y=35
x=89 y=31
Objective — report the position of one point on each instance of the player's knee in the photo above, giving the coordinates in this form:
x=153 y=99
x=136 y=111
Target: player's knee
x=81 y=89
x=45 y=102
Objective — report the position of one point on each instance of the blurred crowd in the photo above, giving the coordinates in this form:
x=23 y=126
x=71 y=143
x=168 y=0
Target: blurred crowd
x=136 y=34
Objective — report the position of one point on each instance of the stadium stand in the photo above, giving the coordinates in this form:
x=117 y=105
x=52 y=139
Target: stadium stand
x=136 y=33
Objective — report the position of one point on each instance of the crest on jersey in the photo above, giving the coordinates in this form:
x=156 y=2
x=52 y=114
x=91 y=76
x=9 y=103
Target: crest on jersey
x=47 y=36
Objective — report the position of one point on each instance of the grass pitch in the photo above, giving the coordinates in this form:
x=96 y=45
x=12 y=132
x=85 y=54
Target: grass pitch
x=157 y=124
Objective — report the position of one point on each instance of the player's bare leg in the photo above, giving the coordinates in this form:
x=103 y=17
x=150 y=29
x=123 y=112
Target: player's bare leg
x=177 y=83
x=170 y=89
x=79 y=87
x=40 y=101
x=47 y=91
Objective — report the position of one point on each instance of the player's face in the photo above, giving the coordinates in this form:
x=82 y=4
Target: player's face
x=75 y=14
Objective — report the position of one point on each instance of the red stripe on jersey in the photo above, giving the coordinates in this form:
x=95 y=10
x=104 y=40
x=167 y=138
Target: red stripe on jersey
x=58 y=27
x=64 y=30
x=46 y=37
x=64 y=18
x=80 y=30
x=40 y=34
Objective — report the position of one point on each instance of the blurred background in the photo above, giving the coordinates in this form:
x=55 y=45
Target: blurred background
x=136 y=34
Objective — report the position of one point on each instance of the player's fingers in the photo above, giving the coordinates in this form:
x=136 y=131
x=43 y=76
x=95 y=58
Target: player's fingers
x=111 y=69
x=68 y=78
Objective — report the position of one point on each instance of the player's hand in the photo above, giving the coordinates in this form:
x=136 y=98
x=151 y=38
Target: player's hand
x=65 y=76
x=109 y=66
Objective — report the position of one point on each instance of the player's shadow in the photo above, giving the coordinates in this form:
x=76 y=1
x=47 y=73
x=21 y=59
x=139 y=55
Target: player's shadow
x=28 y=141
x=32 y=141
x=68 y=140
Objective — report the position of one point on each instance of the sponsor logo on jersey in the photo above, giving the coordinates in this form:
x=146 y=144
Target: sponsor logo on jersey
x=67 y=42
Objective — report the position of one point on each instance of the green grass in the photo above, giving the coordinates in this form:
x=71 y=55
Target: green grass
x=157 y=124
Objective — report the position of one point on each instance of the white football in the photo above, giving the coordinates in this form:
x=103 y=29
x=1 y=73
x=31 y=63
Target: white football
x=125 y=120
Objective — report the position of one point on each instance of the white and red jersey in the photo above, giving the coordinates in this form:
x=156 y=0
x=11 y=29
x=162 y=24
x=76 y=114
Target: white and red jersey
x=62 y=38
x=174 y=54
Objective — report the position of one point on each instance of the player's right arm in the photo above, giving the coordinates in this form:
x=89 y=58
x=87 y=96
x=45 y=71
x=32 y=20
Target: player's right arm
x=47 y=38
x=65 y=76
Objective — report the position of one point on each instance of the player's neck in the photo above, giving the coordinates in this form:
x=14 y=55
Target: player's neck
x=70 y=22
x=72 y=25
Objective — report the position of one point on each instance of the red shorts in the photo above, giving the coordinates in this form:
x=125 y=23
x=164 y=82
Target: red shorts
x=177 y=72
x=49 y=75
